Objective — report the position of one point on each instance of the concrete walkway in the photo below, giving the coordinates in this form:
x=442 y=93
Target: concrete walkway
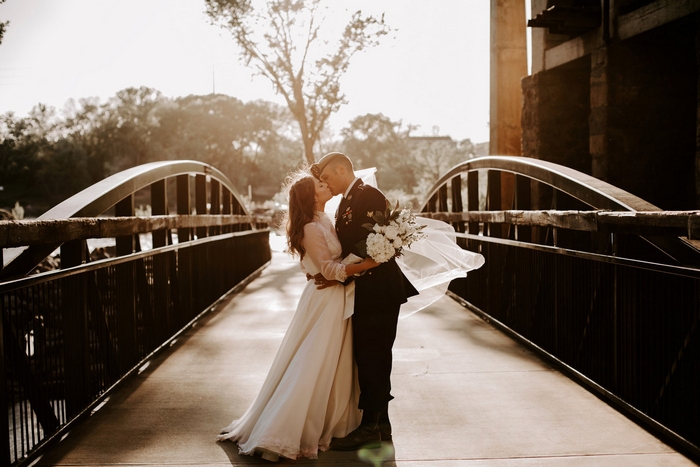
x=466 y=395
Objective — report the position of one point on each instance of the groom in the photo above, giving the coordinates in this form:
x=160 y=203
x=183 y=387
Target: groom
x=379 y=294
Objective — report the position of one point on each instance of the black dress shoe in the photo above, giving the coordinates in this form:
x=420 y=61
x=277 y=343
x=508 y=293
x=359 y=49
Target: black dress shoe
x=385 y=430
x=384 y=425
x=364 y=436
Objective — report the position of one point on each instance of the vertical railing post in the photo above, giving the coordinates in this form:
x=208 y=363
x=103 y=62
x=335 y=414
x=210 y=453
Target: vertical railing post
x=73 y=253
x=125 y=208
x=493 y=201
x=215 y=197
x=4 y=426
x=159 y=207
x=184 y=269
x=126 y=293
x=75 y=338
x=442 y=199
x=215 y=209
x=523 y=202
x=616 y=320
x=457 y=205
x=473 y=198
x=554 y=229
x=226 y=208
x=431 y=205
x=238 y=209
x=184 y=234
x=200 y=200
x=200 y=286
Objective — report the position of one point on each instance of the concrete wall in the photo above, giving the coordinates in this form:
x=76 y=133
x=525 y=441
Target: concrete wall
x=555 y=115
x=627 y=112
x=643 y=121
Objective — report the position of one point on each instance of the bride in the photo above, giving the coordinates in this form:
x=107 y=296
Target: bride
x=311 y=393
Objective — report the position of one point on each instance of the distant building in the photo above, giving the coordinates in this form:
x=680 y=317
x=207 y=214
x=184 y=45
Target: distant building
x=614 y=93
x=481 y=149
x=415 y=141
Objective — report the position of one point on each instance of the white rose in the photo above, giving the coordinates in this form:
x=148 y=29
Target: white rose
x=391 y=232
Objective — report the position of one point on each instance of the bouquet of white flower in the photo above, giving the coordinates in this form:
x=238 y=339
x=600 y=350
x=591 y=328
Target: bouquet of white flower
x=394 y=230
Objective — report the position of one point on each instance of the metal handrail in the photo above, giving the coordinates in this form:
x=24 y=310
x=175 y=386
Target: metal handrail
x=34 y=232
x=582 y=288
x=590 y=190
x=585 y=189
x=57 y=274
x=98 y=198
x=678 y=223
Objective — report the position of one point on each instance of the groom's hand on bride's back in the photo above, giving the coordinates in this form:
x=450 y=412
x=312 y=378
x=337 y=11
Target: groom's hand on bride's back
x=321 y=282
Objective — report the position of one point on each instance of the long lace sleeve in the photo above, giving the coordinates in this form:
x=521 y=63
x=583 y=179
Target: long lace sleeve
x=316 y=247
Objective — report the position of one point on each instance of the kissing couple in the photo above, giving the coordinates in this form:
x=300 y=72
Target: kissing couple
x=329 y=385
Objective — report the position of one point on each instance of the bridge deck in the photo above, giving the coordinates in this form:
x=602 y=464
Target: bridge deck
x=466 y=395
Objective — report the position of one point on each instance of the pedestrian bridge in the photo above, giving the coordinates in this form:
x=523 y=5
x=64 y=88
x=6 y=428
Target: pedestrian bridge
x=576 y=344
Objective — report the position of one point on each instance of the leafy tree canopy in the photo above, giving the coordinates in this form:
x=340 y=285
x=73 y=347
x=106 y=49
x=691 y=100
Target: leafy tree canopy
x=46 y=157
x=407 y=166
x=3 y=26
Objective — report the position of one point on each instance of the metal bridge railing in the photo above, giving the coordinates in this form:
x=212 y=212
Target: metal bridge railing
x=600 y=283
x=71 y=335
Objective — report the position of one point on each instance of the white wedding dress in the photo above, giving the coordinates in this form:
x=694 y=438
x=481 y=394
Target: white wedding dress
x=311 y=393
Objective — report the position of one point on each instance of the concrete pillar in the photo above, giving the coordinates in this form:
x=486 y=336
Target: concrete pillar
x=555 y=115
x=508 y=67
x=697 y=118
x=599 y=138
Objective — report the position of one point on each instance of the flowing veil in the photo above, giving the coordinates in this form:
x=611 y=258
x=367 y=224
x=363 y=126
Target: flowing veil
x=431 y=263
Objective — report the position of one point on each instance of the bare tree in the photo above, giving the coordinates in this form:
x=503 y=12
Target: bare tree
x=283 y=41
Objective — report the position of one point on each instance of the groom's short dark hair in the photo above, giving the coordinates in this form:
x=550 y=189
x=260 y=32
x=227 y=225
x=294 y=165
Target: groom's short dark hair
x=332 y=159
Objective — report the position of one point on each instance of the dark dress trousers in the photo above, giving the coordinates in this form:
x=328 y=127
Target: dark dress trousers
x=379 y=293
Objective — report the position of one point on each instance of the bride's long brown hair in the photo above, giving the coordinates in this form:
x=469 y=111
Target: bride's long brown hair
x=302 y=208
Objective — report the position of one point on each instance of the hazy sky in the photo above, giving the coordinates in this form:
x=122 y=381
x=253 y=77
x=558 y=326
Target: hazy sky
x=433 y=71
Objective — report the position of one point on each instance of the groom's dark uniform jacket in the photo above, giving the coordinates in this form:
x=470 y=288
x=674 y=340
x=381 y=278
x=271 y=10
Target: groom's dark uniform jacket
x=379 y=293
x=385 y=283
